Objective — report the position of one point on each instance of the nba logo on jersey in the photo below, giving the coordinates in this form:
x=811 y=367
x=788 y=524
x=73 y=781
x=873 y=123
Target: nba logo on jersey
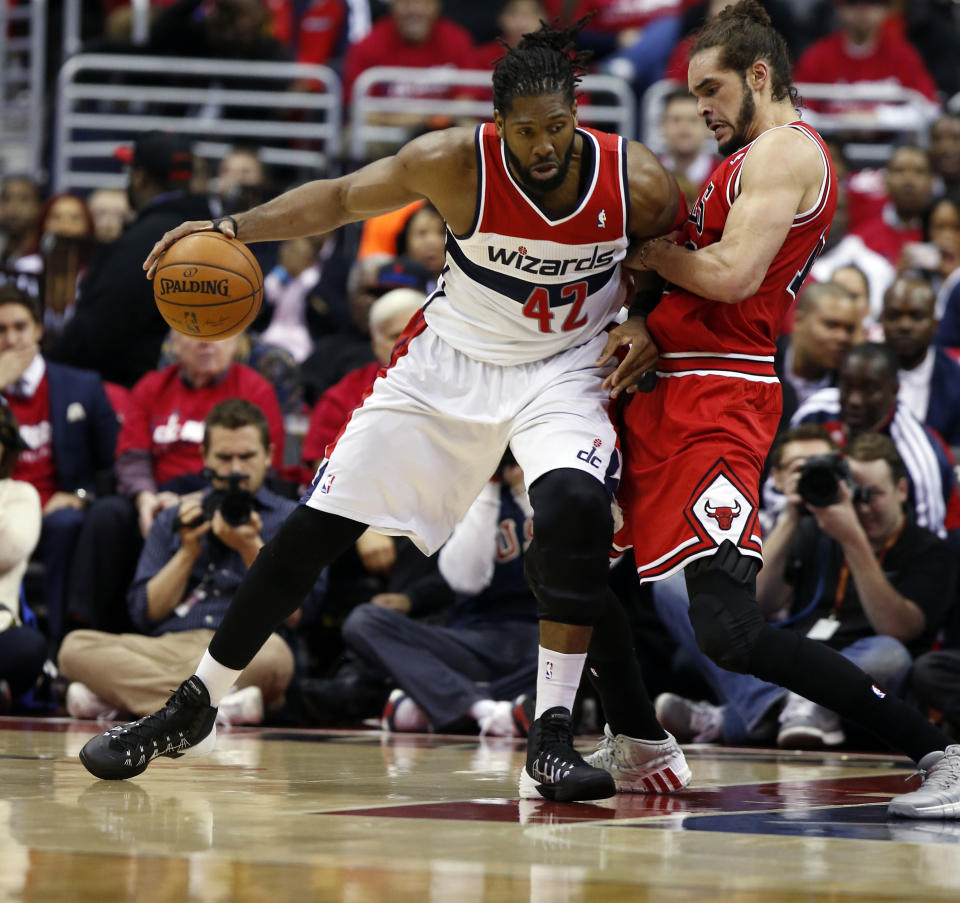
x=327 y=483
x=602 y=219
x=548 y=670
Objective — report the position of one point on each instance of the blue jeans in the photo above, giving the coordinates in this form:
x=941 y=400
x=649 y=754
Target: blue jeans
x=747 y=698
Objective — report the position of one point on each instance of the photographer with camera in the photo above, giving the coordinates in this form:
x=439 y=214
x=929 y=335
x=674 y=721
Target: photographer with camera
x=195 y=557
x=843 y=565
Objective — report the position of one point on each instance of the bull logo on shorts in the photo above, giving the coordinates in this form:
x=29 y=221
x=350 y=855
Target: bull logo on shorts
x=723 y=515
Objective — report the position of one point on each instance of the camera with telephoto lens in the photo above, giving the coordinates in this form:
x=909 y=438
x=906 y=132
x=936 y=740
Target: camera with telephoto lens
x=234 y=503
x=820 y=479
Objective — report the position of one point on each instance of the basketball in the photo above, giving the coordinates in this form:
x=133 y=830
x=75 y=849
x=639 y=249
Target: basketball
x=208 y=286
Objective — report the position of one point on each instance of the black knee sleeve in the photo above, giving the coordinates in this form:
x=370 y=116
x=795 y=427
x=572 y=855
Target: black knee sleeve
x=566 y=565
x=723 y=607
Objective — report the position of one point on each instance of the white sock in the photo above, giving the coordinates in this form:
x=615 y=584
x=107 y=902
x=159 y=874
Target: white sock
x=558 y=678
x=217 y=678
x=481 y=709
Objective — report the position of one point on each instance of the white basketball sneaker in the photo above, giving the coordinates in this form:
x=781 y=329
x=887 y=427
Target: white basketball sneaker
x=641 y=766
x=939 y=796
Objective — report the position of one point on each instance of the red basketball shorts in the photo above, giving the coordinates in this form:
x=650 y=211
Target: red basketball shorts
x=694 y=450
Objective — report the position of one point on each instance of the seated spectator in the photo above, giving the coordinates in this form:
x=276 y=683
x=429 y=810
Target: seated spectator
x=929 y=378
x=867 y=47
x=865 y=401
x=910 y=186
x=824 y=325
x=858 y=575
x=23 y=649
x=62 y=247
x=224 y=29
x=334 y=356
x=423 y=240
x=515 y=19
x=194 y=559
x=379 y=233
x=389 y=316
x=941 y=232
x=845 y=250
x=159 y=460
x=471 y=669
x=115 y=329
x=413 y=34
x=20 y=200
x=242 y=182
x=855 y=281
x=110 y=210
x=684 y=133
x=69 y=432
x=945 y=154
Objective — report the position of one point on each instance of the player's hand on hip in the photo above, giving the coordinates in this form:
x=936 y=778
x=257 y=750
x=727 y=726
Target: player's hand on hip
x=640 y=358
x=224 y=225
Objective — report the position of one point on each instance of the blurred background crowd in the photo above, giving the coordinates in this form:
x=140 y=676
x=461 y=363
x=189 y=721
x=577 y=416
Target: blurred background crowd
x=140 y=471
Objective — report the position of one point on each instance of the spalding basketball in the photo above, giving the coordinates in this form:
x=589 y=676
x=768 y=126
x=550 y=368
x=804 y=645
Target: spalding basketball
x=208 y=286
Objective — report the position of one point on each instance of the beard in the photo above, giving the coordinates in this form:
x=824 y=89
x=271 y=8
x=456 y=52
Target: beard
x=534 y=185
x=741 y=127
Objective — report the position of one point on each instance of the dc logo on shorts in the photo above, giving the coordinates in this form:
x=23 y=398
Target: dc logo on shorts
x=590 y=455
x=548 y=670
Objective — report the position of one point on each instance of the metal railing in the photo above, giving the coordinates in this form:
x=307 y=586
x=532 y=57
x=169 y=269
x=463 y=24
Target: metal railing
x=23 y=36
x=609 y=102
x=99 y=108
x=886 y=110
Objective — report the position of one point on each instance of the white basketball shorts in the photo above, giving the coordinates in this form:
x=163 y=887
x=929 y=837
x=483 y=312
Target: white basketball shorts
x=416 y=453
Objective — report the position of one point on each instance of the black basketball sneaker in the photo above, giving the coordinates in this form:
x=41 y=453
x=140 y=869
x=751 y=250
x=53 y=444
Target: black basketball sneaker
x=554 y=769
x=185 y=726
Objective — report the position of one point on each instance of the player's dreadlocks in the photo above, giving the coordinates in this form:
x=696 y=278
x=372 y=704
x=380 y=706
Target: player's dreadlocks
x=744 y=34
x=544 y=62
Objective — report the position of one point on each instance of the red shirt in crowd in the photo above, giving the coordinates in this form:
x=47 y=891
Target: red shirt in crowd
x=165 y=417
x=314 y=34
x=36 y=465
x=333 y=408
x=894 y=59
x=447 y=45
x=886 y=235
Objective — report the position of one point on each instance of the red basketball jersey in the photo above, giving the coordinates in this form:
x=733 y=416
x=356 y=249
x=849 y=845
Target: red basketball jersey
x=683 y=321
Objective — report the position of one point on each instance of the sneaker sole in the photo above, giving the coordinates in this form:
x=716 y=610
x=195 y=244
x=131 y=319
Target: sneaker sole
x=909 y=810
x=597 y=787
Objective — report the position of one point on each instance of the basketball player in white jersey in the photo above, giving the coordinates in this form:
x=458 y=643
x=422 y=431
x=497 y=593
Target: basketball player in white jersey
x=504 y=353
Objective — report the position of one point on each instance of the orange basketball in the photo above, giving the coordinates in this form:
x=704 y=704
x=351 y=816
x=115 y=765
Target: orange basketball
x=208 y=286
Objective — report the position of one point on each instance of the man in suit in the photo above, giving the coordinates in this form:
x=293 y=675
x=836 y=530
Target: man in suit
x=70 y=431
x=929 y=377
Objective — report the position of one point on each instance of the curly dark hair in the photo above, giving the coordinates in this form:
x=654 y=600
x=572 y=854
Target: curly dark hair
x=544 y=62
x=744 y=34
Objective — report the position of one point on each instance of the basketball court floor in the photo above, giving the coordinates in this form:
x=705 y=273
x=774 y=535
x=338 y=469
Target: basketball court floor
x=276 y=815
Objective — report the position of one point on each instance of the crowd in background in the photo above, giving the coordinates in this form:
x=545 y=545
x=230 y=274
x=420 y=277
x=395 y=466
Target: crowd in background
x=135 y=488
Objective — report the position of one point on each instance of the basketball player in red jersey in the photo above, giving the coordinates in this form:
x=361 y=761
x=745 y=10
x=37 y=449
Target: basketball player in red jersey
x=540 y=213
x=695 y=444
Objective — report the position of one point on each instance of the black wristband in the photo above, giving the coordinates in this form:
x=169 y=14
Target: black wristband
x=226 y=219
x=644 y=302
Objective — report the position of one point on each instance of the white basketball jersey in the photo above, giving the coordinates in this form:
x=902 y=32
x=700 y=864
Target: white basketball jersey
x=521 y=286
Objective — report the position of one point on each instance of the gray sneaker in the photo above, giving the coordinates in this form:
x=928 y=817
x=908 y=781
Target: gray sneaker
x=806 y=725
x=939 y=796
x=689 y=721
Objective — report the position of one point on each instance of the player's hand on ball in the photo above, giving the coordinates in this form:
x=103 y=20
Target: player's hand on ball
x=640 y=359
x=224 y=225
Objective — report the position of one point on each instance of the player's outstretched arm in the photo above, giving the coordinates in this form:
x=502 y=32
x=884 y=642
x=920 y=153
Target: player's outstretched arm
x=781 y=176
x=425 y=167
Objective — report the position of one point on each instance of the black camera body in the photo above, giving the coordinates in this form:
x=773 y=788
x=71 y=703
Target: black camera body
x=234 y=503
x=820 y=479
